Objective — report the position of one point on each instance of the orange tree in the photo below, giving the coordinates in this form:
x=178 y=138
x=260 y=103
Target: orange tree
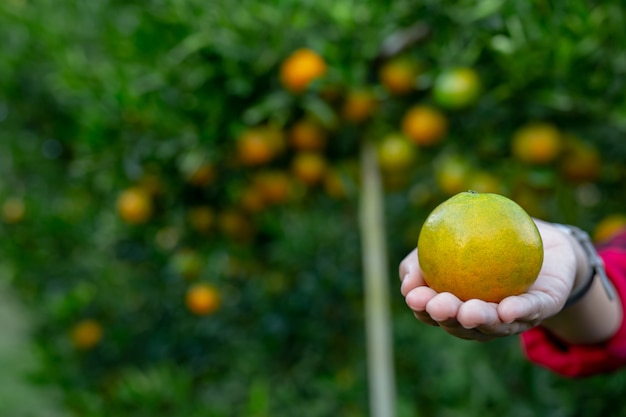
x=161 y=155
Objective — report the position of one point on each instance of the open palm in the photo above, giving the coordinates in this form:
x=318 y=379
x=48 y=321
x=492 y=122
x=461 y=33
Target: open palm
x=480 y=320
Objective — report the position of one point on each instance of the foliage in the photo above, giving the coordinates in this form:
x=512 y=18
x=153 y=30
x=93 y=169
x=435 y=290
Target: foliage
x=103 y=96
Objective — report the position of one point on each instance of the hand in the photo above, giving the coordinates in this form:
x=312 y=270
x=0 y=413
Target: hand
x=480 y=320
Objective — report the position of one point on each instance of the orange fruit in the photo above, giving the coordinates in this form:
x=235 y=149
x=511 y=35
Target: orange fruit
x=301 y=68
x=86 y=334
x=274 y=186
x=452 y=173
x=424 y=125
x=202 y=299
x=581 y=162
x=537 y=143
x=13 y=210
x=201 y=218
x=482 y=246
x=609 y=226
x=251 y=199
x=236 y=225
x=359 y=105
x=484 y=182
x=255 y=148
x=307 y=135
x=134 y=205
x=456 y=88
x=399 y=75
x=395 y=153
x=309 y=167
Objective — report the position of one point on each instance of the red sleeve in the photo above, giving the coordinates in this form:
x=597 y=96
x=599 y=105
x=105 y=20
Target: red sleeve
x=545 y=350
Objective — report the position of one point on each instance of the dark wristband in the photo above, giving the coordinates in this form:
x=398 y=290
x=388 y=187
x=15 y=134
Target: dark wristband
x=595 y=264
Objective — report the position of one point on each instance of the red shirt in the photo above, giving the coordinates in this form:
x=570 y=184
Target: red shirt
x=584 y=360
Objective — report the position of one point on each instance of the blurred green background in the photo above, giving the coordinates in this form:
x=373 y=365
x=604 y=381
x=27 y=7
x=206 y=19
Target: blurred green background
x=180 y=194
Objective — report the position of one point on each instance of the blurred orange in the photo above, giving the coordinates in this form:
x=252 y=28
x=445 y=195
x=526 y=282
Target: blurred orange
x=609 y=227
x=236 y=225
x=202 y=299
x=395 y=152
x=399 y=75
x=452 y=173
x=255 y=147
x=424 y=125
x=307 y=135
x=537 y=143
x=86 y=334
x=456 y=88
x=274 y=186
x=201 y=218
x=203 y=175
x=359 y=105
x=134 y=205
x=301 y=68
x=309 y=167
x=581 y=161
x=13 y=210
x=484 y=182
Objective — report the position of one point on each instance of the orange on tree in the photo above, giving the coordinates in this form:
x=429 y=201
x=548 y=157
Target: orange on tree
x=399 y=75
x=452 y=173
x=134 y=205
x=424 y=125
x=202 y=299
x=274 y=186
x=13 y=210
x=201 y=218
x=581 y=161
x=251 y=199
x=456 y=88
x=236 y=225
x=609 y=226
x=537 y=143
x=309 y=167
x=480 y=245
x=359 y=105
x=259 y=145
x=86 y=334
x=307 y=135
x=301 y=68
x=396 y=153
x=484 y=182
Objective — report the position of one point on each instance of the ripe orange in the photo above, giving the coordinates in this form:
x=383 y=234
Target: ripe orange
x=424 y=125
x=254 y=147
x=301 y=68
x=309 y=167
x=482 y=246
x=581 y=161
x=452 y=173
x=484 y=182
x=13 y=210
x=201 y=218
x=202 y=299
x=399 y=75
x=609 y=226
x=456 y=88
x=134 y=205
x=537 y=143
x=396 y=153
x=359 y=105
x=307 y=135
x=86 y=334
x=274 y=186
